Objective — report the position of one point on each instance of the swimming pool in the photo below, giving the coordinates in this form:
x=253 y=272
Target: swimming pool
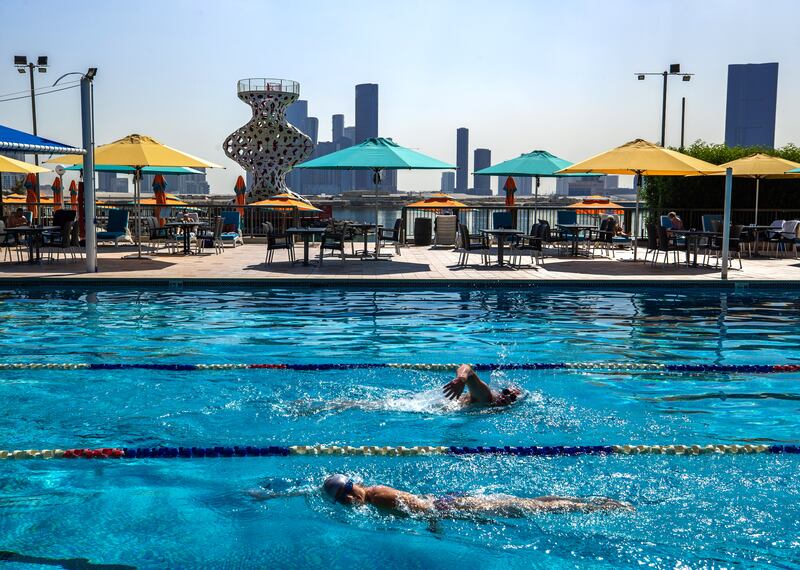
x=699 y=511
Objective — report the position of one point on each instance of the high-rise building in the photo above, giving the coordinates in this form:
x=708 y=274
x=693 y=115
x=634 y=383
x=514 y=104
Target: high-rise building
x=312 y=129
x=752 y=99
x=366 y=124
x=524 y=185
x=462 y=160
x=107 y=181
x=350 y=133
x=448 y=183
x=481 y=185
x=297 y=113
x=337 y=127
x=581 y=186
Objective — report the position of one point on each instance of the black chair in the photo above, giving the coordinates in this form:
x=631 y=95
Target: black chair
x=60 y=242
x=652 y=240
x=333 y=240
x=531 y=243
x=472 y=244
x=734 y=246
x=277 y=241
x=392 y=236
x=665 y=245
x=605 y=236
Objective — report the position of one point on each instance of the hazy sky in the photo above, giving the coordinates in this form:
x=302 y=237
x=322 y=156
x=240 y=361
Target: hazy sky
x=521 y=75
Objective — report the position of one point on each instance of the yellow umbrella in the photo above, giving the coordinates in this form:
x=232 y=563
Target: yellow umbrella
x=760 y=166
x=286 y=201
x=17 y=167
x=23 y=199
x=139 y=151
x=639 y=158
x=436 y=201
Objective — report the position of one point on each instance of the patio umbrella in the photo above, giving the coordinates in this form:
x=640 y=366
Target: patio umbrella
x=595 y=204
x=131 y=170
x=535 y=164
x=58 y=197
x=376 y=154
x=510 y=188
x=240 y=189
x=168 y=200
x=17 y=199
x=640 y=158
x=139 y=151
x=14 y=166
x=437 y=201
x=160 y=195
x=284 y=201
x=73 y=195
x=760 y=166
x=32 y=195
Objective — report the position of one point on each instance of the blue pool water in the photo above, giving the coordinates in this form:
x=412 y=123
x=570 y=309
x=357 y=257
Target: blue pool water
x=707 y=511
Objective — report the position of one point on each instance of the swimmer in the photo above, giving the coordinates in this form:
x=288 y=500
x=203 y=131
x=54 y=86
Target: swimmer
x=342 y=489
x=479 y=392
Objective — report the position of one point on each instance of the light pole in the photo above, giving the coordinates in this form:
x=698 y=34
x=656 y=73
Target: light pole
x=674 y=69
x=22 y=64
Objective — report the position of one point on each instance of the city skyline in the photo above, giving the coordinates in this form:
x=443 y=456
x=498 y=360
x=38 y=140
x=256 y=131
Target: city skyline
x=569 y=88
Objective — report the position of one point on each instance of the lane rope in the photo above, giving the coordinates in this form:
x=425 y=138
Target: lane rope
x=393 y=451
x=481 y=367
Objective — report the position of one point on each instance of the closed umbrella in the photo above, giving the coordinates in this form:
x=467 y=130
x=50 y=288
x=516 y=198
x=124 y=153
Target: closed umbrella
x=31 y=195
x=510 y=188
x=58 y=196
x=240 y=188
x=642 y=158
x=160 y=196
x=376 y=154
x=73 y=196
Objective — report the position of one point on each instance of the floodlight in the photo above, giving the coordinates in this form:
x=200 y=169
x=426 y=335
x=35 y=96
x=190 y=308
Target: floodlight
x=640 y=77
x=687 y=77
x=21 y=69
x=675 y=68
x=42 y=60
x=20 y=60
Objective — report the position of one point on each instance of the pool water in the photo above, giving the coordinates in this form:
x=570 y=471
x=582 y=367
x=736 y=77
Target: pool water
x=707 y=511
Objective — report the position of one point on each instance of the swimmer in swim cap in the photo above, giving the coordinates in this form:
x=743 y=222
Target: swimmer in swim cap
x=342 y=489
x=479 y=391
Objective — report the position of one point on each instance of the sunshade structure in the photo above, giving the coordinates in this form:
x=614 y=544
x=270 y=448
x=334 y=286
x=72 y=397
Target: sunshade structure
x=240 y=190
x=760 y=166
x=18 y=199
x=536 y=164
x=58 y=193
x=642 y=158
x=286 y=201
x=14 y=166
x=140 y=151
x=437 y=201
x=169 y=200
x=377 y=155
x=595 y=205
x=179 y=170
x=510 y=188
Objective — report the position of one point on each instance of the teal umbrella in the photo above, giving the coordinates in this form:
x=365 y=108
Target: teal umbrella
x=376 y=154
x=793 y=171
x=536 y=164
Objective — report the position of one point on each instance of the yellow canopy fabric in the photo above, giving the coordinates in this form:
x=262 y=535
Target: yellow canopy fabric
x=138 y=151
x=438 y=200
x=642 y=157
x=761 y=166
x=19 y=167
x=172 y=200
x=286 y=201
x=23 y=199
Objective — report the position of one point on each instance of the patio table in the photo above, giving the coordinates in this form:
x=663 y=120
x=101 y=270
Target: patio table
x=365 y=228
x=575 y=231
x=501 y=234
x=35 y=241
x=693 y=238
x=187 y=228
x=306 y=234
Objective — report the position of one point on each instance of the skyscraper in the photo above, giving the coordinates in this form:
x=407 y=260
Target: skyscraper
x=524 y=185
x=448 y=183
x=312 y=129
x=337 y=127
x=366 y=123
x=297 y=113
x=350 y=133
x=482 y=185
x=462 y=160
x=750 y=111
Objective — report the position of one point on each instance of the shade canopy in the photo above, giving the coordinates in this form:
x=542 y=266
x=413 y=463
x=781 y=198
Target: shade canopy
x=642 y=157
x=139 y=151
x=596 y=204
x=286 y=201
x=12 y=139
x=23 y=199
x=19 y=167
x=437 y=200
x=169 y=200
x=376 y=154
x=179 y=170
x=536 y=163
x=762 y=166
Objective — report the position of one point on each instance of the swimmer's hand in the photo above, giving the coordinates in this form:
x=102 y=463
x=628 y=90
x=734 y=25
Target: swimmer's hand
x=453 y=389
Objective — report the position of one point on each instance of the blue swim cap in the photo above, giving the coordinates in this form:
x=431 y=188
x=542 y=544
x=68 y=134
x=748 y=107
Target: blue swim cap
x=337 y=486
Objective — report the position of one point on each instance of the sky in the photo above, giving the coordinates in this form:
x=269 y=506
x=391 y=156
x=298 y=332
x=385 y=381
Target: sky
x=520 y=74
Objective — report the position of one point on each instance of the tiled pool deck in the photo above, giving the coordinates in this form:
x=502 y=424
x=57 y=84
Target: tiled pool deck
x=246 y=263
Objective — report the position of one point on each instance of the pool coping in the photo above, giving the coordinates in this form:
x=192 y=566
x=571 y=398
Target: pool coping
x=306 y=283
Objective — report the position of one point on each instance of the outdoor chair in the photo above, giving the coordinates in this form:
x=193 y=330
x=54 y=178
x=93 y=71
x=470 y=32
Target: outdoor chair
x=445 y=229
x=665 y=245
x=391 y=236
x=333 y=240
x=531 y=243
x=665 y=222
x=564 y=237
x=117 y=227
x=276 y=241
x=771 y=236
x=471 y=244
x=788 y=236
x=715 y=246
x=212 y=237
x=652 y=240
x=232 y=228
x=59 y=242
x=8 y=242
x=707 y=220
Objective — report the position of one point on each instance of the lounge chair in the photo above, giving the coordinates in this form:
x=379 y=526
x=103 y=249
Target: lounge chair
x=232 y=228
x=445 y=229
x=116 y=228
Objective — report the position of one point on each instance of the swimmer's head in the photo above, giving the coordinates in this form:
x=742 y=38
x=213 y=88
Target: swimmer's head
x=339 y=488
x=508 y=396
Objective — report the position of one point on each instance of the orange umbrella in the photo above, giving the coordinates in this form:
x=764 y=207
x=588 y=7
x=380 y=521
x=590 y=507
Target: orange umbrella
x=73 y=195
x=437 y=201
x=597 y=204
x=169 y=200
x=24 y=199
x=287 y=201
x=240 y=188
x=160 y=194
x=58 y=199
x=510 y=188
x=31 y=199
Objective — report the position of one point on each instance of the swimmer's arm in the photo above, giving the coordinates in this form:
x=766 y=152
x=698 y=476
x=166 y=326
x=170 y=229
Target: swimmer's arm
x=479 y=392
x=260 y=495
x=399 y=502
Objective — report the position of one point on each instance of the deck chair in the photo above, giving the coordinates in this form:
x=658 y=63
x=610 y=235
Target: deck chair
x=232 y=228
x=116 y=228
x=445 y=228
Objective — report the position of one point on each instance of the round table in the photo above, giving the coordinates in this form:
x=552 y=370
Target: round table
x=501 y=234
x=187 y=228
x=307 y=234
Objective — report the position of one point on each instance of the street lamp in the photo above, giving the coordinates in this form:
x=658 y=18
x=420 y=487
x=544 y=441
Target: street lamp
x=22 y=64
x=674 y=69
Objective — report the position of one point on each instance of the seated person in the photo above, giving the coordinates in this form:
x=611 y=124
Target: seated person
x=677 y=223
x=17 y=219
x=479 y=392
x=341 y=489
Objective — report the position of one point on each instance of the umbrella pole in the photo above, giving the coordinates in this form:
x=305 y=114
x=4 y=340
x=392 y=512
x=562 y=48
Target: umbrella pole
x=536 y=202
x=755 y=221
x=376 y=179
x=636 y=219
x=137 y=205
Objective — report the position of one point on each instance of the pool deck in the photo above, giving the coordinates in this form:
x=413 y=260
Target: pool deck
x=415 y=264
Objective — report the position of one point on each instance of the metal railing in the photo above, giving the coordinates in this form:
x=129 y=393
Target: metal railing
x=266 y=84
